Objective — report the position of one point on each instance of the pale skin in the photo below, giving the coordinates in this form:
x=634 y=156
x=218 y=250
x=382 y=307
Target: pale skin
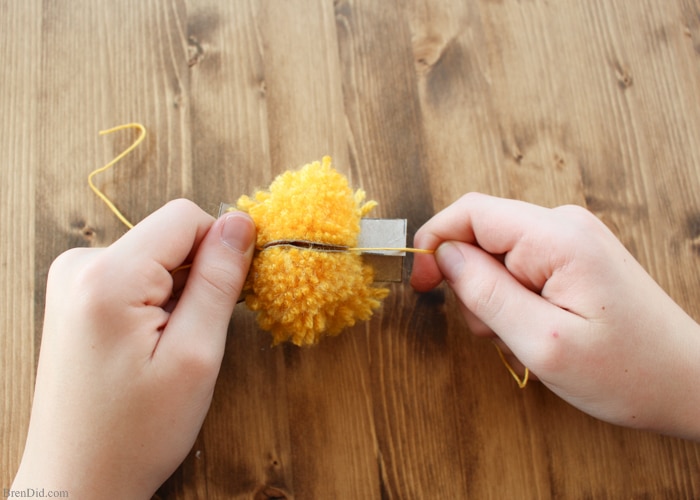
x=560 y=293
x=126 y=372
x=130 y=351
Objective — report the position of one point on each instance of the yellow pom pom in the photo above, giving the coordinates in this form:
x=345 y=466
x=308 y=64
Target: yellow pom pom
x=304 y=294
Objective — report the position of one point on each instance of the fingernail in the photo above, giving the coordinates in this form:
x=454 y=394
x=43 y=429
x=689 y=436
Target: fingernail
x=450 y=260
x=238 y=232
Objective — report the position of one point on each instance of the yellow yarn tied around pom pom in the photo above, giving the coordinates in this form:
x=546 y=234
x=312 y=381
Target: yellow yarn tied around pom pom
x=303 y=294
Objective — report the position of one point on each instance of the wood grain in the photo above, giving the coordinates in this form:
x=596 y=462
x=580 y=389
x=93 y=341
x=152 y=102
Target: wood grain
x=19 y=82
x=418 y=101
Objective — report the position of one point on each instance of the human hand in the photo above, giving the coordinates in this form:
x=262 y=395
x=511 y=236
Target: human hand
x=572 y=304
x=130 y=353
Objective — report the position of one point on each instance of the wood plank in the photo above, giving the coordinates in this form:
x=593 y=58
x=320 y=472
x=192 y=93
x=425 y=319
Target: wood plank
x=228 y=101
x=625 y=142
x=105 y=65
x=329 y=410
x=18 y=91
x=304 y=101
x=414 y=413
x=474 y=141
x=244 y=447
x=533 y=116
x=418 y=101
x=99 y=68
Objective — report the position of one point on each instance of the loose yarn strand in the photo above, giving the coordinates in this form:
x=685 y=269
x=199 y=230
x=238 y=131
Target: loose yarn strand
x=134 y=145
x=103 y=197
x=522 y=382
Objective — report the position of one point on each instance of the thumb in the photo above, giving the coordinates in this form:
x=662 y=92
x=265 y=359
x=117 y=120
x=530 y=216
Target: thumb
x=519 y=316
x=200 y=319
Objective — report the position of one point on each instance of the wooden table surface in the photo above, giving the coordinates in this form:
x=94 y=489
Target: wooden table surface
x=418 y=101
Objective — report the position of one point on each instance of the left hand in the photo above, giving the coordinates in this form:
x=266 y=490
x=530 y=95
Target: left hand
x=130 y=353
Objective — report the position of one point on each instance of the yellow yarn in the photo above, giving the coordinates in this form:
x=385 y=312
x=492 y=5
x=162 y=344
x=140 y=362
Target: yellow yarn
x=522 y=382
x=134 y=145
x=302 y=294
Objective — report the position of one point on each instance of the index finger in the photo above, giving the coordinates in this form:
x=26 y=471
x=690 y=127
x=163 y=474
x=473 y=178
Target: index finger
x=496 y=225
x=168 y=236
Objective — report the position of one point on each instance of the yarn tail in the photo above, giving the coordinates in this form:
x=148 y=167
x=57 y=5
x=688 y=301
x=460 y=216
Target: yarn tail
x=134 y=145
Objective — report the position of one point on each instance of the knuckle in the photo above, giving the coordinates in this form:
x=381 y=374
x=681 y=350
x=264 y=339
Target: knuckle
x=183 y=204
x=184 y=209
x=220 y=282
x=94 y=287
x=79 y=285
x=64 y=265
x=580 y=229
x=488 y=303
x=473 y=195
x=579 y=219
x=559 y=349
x=548 y=358
x=470 y=198
x=76 y=269
x=200 y=362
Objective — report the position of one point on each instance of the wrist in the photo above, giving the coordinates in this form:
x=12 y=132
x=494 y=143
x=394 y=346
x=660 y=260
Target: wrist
x=41 y=479
x=691 y=396
x=678 y=403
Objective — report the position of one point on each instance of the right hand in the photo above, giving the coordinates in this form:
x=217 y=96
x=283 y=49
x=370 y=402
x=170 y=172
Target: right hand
x=571 y=303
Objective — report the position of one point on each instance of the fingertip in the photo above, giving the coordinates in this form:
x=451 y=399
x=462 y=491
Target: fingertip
x=450 y=260
x=238 y=232
x=214 y=283
x=426 y=274
x=220 y=268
